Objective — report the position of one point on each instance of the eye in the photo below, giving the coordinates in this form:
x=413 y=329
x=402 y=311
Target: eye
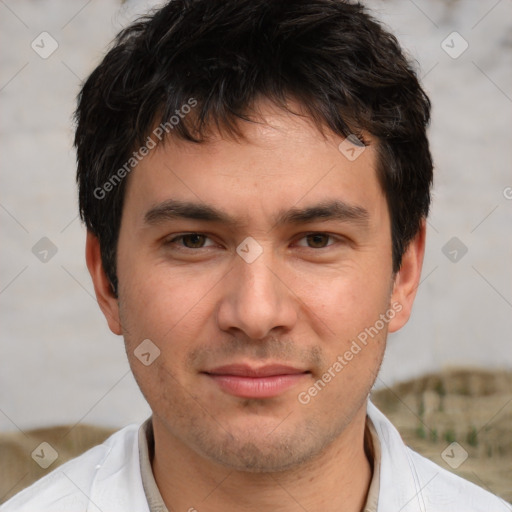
x=191 y=241
x=316 y=240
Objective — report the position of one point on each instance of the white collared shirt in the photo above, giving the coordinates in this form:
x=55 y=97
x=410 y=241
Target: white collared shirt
x=107 y=478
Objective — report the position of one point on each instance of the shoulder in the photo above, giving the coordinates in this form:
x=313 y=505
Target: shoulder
x=94 y=480
x=410 y=482
x=439 y=489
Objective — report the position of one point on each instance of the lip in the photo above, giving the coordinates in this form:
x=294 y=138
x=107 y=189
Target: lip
x=247 y=381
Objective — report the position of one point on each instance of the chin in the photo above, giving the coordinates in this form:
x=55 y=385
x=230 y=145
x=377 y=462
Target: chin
x=260 y=450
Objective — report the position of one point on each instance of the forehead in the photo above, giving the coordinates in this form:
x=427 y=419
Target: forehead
x=283 y=160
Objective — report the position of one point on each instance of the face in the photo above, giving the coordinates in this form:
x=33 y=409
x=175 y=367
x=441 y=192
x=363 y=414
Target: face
x=255 y=267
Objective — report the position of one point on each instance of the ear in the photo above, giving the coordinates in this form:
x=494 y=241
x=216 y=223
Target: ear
x=407 y=279
x=107 y=301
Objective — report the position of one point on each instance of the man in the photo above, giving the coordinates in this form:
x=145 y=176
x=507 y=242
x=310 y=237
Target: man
x=255 y=178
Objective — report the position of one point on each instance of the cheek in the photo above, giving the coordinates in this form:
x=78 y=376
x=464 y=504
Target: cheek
x=167 y=306
x=154 y=297
x=348 y=303
x=354 y=336
x=157 y=320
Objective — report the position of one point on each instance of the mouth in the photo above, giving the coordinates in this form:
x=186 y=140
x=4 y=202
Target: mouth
x=246 y=381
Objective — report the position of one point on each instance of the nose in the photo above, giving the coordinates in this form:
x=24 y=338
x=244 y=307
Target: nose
x=256 y=300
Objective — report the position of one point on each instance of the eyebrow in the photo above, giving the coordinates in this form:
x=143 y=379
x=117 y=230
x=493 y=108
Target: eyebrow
x=328 y=210
x=174 y=209
x=324 y=211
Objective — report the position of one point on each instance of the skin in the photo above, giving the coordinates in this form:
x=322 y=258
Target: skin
x=300 y=303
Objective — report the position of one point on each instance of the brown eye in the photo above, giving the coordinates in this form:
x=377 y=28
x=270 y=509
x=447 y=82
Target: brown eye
x=193 y=240
x=317 y=240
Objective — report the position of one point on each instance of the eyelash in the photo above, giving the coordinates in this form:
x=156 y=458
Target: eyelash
x=173 y=240
x=178 y=238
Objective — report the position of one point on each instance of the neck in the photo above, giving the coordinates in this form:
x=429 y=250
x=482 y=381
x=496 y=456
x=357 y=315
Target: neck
x=337 y=479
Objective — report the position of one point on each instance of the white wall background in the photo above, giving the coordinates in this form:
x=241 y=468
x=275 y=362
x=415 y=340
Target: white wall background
x=59 y=363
